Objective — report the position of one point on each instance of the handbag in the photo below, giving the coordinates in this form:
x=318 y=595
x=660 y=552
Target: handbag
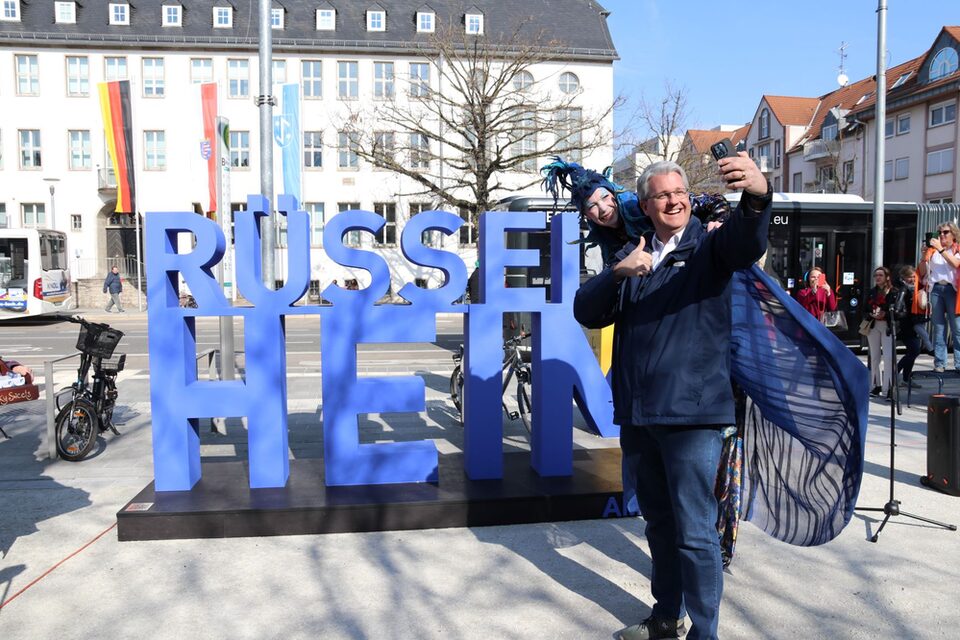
x=835 y=320
x=865 y=326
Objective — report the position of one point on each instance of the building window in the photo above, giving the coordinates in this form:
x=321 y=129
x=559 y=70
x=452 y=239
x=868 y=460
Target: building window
x=569 y=82
x=384 y=147
x=888 y=128
x=383 y=80
x=523 y=80
x=826 y=178
x=238 y=75
x=76 y=222
x=347 y=146
x=525 y=145
x=943 y=113
x=347 y=80
x=425 y=22
x=427 y=238
x=376 y=21
x=65 y=12
x=11 y=10
x=78 y=76
x=276 y=18
x=28 y=75
x=419 y=79
x=313 y=149
x=222 y=17
x=776 y=183
x=467 y=235
x=903 y=124
x=474 y=24
x=419 y=151
x=155 y=148
x=901 y=169
x=798 y=182
x=943 y=64
x=903 y=78
x=153 y=79
x=940 y=161
x=829 y=132
x=30 y=157
x=279 y=71
x=569 y=133
x=119 y=13
x=4 y=222
x=940 y=201
x=326 y=19
x=352 y=237
x=888 y=171
x=764 y=124
x=776 y=154
x=172 y=15
x=201 y=70
x=33 y=215
x=388 y=233
x=312 y=78
x=79 y=149
x=848 y=172
x=115 y=68
x=240 y=149
x=315 y=211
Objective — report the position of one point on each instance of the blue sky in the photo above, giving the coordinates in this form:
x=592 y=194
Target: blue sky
x=729 y=54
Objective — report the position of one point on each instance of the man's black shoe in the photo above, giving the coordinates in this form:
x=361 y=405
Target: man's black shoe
x=875 y=391
x=652 y=628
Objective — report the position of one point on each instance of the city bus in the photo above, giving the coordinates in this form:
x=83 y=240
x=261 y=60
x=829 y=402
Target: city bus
x=34 y=278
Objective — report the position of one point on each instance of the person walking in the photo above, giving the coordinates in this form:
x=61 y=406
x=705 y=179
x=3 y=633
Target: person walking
x=940 y=269
x=113 y=285
x=879 y=338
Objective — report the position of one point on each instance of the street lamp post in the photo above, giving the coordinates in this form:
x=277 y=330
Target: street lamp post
x=53 y=203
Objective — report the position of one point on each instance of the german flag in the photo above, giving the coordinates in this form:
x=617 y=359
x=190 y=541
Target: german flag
x=115 y=107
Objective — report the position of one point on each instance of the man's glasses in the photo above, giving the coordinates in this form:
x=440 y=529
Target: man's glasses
x=679 y=194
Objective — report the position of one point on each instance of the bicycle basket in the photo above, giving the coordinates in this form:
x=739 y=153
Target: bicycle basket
x=113 y=365
x=98 y=340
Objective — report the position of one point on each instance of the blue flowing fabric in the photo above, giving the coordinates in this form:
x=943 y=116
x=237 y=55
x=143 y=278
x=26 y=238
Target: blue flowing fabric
x=806 y=429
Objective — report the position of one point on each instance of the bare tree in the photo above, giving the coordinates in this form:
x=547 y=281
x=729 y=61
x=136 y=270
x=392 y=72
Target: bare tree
x=486 y=127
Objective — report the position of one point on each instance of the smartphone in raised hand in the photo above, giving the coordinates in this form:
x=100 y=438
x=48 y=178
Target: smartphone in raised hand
x=723 y=149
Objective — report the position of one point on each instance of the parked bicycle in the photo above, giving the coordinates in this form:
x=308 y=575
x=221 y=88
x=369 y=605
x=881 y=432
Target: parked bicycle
x=90 y=409
x=515 y=365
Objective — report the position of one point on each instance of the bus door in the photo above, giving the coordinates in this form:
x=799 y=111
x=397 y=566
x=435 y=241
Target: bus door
x=849 y=273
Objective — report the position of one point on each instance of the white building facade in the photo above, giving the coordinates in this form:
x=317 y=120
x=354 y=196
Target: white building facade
x=54 y=168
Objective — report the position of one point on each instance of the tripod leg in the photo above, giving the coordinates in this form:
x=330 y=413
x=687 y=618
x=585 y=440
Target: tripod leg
x=951 y=527
x=882 y=525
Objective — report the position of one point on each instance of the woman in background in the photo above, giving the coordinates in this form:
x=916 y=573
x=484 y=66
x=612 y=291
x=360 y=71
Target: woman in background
x=879 y=339
x=818 y=297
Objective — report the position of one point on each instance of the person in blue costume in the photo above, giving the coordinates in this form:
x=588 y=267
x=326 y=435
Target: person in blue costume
x=803 y=453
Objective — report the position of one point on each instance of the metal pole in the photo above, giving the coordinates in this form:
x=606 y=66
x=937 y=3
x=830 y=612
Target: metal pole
x=265 y=101
x=53 y=207
x=139 y=265
x=878 y=195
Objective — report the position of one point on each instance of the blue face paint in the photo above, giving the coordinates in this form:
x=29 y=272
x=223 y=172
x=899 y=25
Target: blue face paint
x=564 y=367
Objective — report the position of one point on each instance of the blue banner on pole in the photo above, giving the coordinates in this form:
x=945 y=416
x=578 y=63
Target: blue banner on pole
x=287 y=134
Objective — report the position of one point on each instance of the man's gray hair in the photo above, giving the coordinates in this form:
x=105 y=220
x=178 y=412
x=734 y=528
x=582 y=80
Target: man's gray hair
x=660 y=168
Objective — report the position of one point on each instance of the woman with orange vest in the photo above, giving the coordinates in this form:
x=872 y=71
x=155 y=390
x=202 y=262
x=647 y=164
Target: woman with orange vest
x=940 y=267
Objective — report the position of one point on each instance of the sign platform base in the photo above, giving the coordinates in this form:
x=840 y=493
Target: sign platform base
x=221 y=505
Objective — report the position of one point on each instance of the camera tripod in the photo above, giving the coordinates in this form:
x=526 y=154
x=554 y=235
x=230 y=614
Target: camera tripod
x=892 y=507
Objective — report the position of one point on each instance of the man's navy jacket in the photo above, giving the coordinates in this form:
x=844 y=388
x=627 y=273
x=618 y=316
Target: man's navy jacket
x=113 y=283
x=671 y=362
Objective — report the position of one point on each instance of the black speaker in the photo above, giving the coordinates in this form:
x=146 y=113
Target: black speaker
x=943 y=444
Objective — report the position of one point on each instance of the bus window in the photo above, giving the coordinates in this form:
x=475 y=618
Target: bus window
x=53 y=252
x=15 y=251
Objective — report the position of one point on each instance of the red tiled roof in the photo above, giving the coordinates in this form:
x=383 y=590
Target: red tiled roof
x=702 y=139
x=740 y=134
x=791 y=110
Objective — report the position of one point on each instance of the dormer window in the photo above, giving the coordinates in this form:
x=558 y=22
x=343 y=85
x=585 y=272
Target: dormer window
x=903 y=78
x=276 y=18
x=11 y=11
x=326 y=19
x=172 y=15
x=65 y=12
x=474 y=23
x=829 y=132
x=426 y=22
x=119 y=13
x=943 y=64
x=223 y=17
x=376 y=20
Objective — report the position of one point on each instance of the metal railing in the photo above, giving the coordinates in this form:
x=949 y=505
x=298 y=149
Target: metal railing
x=820 y=148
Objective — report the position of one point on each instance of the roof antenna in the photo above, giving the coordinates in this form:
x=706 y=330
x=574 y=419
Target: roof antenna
x=842 y=79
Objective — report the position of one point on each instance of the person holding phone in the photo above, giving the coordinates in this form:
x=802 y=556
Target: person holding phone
x=818 y=297
x=940 y=266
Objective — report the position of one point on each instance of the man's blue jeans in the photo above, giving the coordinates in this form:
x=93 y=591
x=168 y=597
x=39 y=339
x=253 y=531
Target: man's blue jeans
x=676 y=470
x=943 y=303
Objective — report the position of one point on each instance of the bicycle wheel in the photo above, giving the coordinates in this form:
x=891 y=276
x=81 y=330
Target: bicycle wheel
x=456 y=389
x=523 y=402
x=77 y=429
